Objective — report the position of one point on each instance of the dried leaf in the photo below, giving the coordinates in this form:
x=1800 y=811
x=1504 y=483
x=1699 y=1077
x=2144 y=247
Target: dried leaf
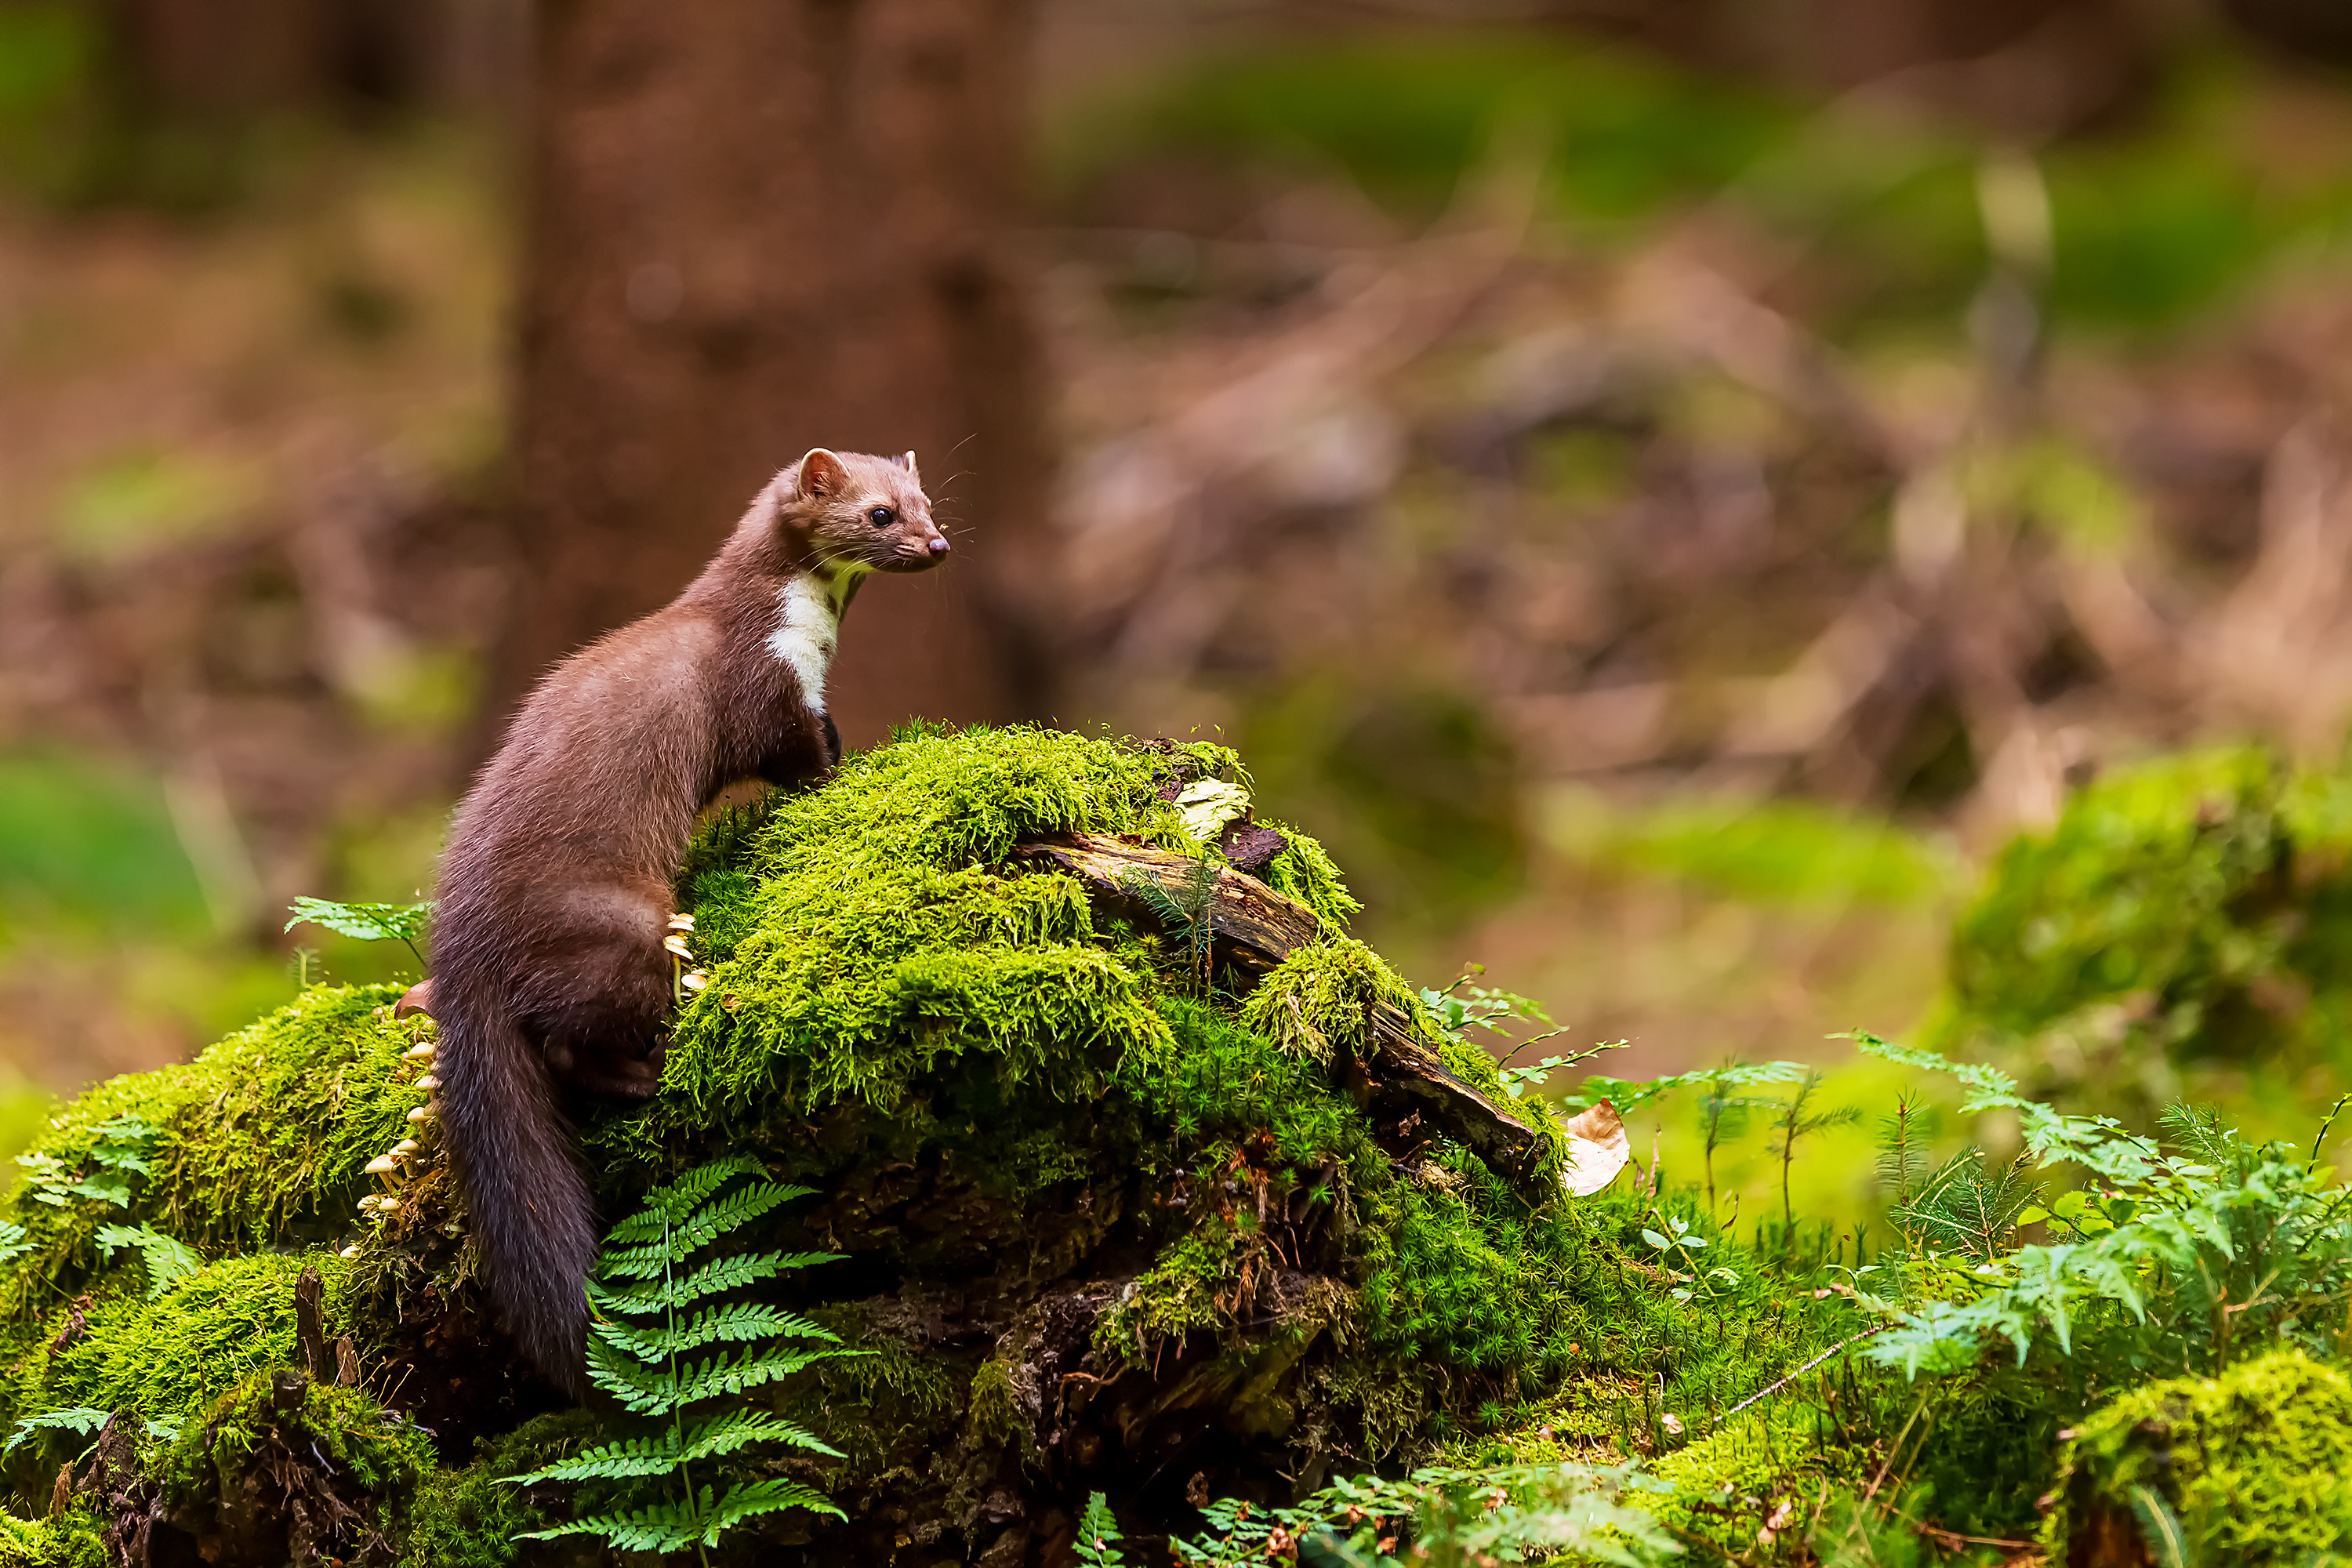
x=1597 y=1149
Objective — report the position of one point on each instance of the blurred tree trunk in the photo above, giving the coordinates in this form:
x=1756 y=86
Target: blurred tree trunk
x=758 y=227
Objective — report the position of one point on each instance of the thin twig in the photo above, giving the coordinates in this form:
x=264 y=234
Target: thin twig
x=1776 y=1388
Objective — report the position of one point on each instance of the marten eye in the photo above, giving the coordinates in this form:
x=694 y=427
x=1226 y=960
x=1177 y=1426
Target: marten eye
x=882 y=517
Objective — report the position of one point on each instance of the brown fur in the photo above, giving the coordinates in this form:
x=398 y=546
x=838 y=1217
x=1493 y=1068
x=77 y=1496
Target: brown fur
x=549 y=971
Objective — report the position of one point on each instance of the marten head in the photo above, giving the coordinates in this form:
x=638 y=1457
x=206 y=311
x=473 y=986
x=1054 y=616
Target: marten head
x=836 y=510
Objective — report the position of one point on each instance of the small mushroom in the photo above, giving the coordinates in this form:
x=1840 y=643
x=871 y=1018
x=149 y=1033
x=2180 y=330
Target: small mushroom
x=384 y=1165
x=406 y=1146
x=677 y=944
x=428 y=1083
x=351 y=1251
x=420 y=1052
x=422 y=1113
x=681 y=922
x=694 y=980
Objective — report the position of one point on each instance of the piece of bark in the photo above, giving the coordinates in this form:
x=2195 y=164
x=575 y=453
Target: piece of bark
x=1260 y=925
x=1251 y=848
x=309 y=1334
x=1257 y=928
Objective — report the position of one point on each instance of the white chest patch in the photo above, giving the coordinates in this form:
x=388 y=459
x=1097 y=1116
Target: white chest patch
x=808 y=629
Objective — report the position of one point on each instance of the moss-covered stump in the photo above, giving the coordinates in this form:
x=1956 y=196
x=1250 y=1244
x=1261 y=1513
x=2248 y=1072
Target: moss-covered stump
x=1103 y=1210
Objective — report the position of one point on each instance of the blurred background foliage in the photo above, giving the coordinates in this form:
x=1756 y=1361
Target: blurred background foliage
x=1667 y=491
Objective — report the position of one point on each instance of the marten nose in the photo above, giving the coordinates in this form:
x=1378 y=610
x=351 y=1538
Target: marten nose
x=939 y=547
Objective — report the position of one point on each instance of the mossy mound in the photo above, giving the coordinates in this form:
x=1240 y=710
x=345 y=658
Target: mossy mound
x=2186 y=920
x=2246 y=1468
x=1104 y=1222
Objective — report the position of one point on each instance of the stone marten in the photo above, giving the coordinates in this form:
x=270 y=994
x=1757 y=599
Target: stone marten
x=554 y=893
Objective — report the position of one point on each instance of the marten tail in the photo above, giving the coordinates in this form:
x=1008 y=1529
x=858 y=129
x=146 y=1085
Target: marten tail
x=531 y=1209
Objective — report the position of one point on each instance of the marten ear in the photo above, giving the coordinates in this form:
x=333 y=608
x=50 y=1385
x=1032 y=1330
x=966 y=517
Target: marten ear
x=820 y=474
x=907 y=461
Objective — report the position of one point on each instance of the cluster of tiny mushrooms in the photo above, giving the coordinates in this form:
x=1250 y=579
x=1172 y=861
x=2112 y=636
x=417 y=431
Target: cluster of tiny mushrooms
x=394 y=1164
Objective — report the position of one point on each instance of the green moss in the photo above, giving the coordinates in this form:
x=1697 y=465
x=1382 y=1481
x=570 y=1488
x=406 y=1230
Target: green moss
x=2251 y=1464
x=1305 y=870
x=2131 y=890
x=260 y=1141
x=73 y=1541
x=468 y=1518
x=1191 y=1286
x=990 y=1414
x=357 y=1442
x=2190 y=914
x=1222 y=1080
x=889 y=1402
x=167 y=1358
x=881 y=930
x=1319 y=1000
x=1728 y=1484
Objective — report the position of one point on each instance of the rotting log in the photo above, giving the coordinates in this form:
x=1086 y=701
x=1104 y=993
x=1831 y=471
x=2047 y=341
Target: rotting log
x=1256 y=928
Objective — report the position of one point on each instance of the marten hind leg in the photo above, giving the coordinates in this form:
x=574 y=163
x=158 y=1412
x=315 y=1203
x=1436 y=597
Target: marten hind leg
x=599 y=1011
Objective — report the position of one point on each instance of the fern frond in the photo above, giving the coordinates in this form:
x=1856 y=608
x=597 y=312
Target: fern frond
x=735 y=1429
x=657 y=1390
x=168 y=1259
x=736 y=1321
x=719 y=1275
x=699 y=1229
x=671 y=1527
x=666 y=1450
x=656 y=1455
x=668 y=1205
x=1098 y=1538
x=642 y=1365
x=81 y=1420
x=770 y=1496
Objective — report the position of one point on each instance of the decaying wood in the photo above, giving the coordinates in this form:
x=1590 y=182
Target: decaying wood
x=1257 y=928
x=309 y=1334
